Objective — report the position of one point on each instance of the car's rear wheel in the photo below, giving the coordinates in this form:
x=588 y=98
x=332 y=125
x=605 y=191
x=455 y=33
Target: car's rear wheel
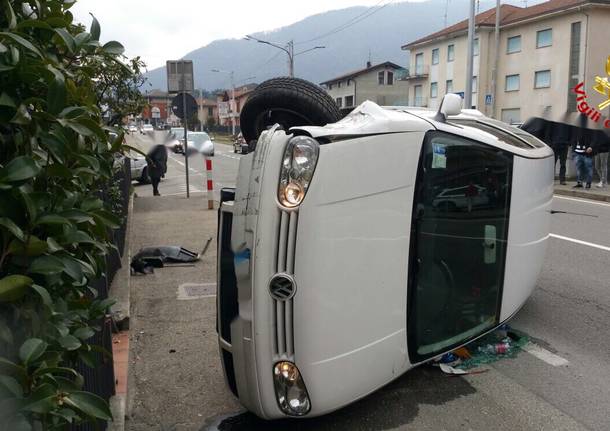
x=288 y=102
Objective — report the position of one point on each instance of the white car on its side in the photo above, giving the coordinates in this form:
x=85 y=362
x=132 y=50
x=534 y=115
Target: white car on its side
x=337 y=272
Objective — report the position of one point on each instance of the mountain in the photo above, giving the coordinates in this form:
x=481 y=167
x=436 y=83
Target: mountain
x=377 y=33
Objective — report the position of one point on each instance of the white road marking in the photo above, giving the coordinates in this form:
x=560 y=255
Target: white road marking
x=577 y=241
x=545 y=355
x=584 y=201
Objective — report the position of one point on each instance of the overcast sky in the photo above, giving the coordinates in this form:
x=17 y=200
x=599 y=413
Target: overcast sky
x=161 y=30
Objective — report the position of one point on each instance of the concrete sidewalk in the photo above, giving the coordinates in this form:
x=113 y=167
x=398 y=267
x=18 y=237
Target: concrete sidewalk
x=175 y=375
x=594 y=193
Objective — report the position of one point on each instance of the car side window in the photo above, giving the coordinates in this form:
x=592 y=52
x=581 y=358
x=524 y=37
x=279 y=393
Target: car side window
x=458 y=242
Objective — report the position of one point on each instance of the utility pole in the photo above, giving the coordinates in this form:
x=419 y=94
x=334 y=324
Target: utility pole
x=186 y=141
x=291 y=59
x=232 y=103
x=494 y=72
x=469 y=59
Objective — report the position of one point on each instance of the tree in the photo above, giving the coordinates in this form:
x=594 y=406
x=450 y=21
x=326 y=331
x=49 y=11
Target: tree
x=119 y=82
x=56 y=157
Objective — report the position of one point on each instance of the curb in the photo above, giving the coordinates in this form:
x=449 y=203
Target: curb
x=583 y=195
x=120 y=315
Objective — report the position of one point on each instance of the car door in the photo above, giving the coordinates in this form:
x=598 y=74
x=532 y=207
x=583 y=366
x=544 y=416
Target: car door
x=458 y=250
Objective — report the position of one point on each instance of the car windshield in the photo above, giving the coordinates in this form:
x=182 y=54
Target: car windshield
x=177 y=132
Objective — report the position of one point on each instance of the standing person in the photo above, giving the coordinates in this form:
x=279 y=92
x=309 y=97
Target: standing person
x=560 y=142
x=601 y=159
x=157 y=166
x=583 y=157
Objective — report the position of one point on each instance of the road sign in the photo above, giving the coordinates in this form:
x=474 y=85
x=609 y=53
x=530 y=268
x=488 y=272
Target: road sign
x=179 y=76
x=178 y=105
x=156 y=112
x=488 y=99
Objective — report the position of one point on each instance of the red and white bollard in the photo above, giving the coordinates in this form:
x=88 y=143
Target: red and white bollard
x=210 y=183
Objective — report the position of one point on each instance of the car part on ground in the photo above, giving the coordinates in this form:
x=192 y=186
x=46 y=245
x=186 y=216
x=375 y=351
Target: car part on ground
x=287 y=102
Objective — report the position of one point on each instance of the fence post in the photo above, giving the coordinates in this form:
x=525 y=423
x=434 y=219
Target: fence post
x=210 y=184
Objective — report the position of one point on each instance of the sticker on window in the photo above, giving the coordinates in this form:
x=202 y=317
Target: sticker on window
x=439 y=156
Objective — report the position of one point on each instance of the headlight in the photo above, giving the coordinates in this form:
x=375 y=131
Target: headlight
x=290 y=389
x=298 y=165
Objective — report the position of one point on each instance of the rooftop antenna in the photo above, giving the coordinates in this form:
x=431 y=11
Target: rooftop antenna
x=524 y=3
x=446 y=13
x=479 y=6
x=369 y=55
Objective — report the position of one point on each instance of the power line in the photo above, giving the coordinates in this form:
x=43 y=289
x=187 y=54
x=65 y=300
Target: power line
x=364 y=15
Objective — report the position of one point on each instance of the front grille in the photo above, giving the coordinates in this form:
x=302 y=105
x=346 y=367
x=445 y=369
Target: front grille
x=283 y=300
x=227 y=306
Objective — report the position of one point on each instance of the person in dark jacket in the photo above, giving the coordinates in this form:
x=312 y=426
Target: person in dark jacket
x=601 y=158
x=157 y=166
x=583 y=157
x=560 y=142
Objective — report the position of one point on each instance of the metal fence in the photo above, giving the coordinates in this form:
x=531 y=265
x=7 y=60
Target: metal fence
x=100 y=379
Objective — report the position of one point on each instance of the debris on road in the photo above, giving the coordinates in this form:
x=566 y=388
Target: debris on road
x=149 y=258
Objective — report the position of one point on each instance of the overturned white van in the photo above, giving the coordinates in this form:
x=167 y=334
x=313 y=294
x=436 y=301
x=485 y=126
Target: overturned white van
x=352 y=252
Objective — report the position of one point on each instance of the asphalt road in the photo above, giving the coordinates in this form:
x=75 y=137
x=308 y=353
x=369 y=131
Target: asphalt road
x=562 y=385
x=224 y=165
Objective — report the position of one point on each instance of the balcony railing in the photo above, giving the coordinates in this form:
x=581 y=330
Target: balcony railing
x=418 y=72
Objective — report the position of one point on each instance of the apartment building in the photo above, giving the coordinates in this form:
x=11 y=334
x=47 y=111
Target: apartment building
x=228 y=107
x=544 y=52
x=380 y=83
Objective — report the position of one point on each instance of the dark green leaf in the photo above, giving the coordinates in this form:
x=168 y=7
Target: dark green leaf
x=113 y=47
x=12 y=228
x=52 y=219
x=88 y=358
x=11 y=369
x=31 y=350
x=44 y=294
x=95 y=29
x=53 y=245
x=82 y=38
x=34 y=247
x=13 y=287
x=73 y=268
x=6 y=100
x=46 y=265
x=55 y=370
x=42 y=400
x=33 y=23
x=67 y=38
x=22 y=116
x=90 y=404
x=70 y=342
x=77 y=216
x=10 y=386
x=72 y=112
x=22 y=41
x=84 y=333
x=3 y=48
x=56 y=94
x=91 y=203
x=19 y=169
x=10 y=15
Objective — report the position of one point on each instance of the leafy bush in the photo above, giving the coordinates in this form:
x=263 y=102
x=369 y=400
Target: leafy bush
x=55 y=158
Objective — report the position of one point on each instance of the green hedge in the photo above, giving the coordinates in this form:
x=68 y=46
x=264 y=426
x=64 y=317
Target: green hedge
x=55 y=157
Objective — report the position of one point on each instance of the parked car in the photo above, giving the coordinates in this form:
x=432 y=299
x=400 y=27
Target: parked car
x=175 y=137
x=337 y=273
x=240 y=145
x=139 y=169
x=147 y=128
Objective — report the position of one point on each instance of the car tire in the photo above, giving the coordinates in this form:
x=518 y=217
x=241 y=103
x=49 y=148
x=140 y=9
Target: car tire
x=288 y=102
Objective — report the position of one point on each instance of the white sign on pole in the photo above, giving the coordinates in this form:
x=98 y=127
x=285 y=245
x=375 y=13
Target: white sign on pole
x=156 y=112
x=177 y=70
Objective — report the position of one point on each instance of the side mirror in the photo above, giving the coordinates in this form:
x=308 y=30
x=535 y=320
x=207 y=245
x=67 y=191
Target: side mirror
x=450 y=105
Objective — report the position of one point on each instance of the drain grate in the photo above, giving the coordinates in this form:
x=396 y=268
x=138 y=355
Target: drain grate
x=188 y=291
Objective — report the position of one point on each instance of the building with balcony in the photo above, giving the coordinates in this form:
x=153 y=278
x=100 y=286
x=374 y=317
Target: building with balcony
x=381 y=83
x=228 y=108
x=544 y=52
